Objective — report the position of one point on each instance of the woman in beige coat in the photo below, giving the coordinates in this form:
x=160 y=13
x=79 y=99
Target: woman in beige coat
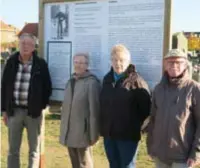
x=80 y=113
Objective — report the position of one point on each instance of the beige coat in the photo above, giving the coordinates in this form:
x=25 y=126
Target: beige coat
x=174 y=130
x=80 y=113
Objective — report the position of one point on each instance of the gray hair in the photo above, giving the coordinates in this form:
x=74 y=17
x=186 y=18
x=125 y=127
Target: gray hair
x=85 y=55
x=31 y=36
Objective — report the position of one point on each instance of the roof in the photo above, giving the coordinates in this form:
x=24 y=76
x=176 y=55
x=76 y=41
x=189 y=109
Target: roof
x=178 y=33
x=8 y=27
x=31 y=28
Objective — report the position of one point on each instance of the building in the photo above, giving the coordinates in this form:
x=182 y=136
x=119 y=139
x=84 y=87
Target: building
x=8 y=33
x=179 y=40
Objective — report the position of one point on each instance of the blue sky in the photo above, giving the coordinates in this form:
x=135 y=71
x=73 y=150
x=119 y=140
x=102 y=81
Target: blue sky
x=185 y=13
x=17 y=12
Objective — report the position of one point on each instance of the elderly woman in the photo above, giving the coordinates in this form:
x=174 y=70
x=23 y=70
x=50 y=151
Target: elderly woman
x=80 y=113
x=124 y=104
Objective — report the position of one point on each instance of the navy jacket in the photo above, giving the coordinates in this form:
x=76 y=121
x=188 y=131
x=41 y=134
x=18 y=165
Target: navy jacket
x=123 y=110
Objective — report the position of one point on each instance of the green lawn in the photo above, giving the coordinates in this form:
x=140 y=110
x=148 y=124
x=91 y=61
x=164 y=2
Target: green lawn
x=56 y=155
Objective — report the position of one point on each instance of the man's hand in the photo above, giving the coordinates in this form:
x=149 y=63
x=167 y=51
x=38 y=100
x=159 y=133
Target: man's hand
x=5 y=118
x=192 y=163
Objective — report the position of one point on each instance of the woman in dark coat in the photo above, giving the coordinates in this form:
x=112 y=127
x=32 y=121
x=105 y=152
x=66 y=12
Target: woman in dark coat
x=125 y=104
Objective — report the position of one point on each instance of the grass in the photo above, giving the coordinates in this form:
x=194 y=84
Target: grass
x=56 y=155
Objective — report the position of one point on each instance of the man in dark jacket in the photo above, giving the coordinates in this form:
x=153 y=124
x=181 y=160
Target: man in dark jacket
x=26 y=88
x=174 y=129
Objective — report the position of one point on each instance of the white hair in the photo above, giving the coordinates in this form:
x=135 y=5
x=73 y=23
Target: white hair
x=121 y=49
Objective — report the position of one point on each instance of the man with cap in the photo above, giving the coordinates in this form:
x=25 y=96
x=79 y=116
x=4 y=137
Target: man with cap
x=174 y=131
x=26 y=87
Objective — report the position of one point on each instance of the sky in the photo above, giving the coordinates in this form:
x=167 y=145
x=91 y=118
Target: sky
x=185 y=13
x=17 y=12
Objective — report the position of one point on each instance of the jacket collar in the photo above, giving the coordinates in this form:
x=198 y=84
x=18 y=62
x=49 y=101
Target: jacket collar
x=35 y=61
x=175 y=82
x=84 y=75
x=129 y=70
x=30 y=61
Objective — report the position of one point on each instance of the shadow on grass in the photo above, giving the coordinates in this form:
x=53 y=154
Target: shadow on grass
x=53 y=116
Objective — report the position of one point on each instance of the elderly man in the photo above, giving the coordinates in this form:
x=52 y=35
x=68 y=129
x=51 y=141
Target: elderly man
x=26 y=87
x=174 y=130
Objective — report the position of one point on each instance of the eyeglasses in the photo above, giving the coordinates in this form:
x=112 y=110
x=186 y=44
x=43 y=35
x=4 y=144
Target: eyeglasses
x=24 y=35
x=79 y=63
x=114 y=60
x=171 y=63
x=26 y=43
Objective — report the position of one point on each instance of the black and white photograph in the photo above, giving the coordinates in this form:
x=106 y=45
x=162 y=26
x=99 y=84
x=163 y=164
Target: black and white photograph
x=59 y=21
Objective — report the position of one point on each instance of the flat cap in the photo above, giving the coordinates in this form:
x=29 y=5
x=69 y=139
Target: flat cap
x=175 y=53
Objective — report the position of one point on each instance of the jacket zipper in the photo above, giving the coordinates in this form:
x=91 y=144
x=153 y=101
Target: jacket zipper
x=30 y=87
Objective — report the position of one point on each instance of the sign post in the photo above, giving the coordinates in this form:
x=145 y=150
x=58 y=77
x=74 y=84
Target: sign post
x=42 y=141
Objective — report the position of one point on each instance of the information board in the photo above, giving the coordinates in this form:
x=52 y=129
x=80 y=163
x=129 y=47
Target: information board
x=95 y=27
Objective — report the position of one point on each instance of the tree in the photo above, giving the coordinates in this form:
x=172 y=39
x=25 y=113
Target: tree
x=193 y=42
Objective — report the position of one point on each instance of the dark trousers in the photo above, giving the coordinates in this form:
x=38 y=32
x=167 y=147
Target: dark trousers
x=81 y=157
x=120 y=154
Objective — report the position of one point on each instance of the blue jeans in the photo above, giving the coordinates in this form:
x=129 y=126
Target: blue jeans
x=120 y=154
